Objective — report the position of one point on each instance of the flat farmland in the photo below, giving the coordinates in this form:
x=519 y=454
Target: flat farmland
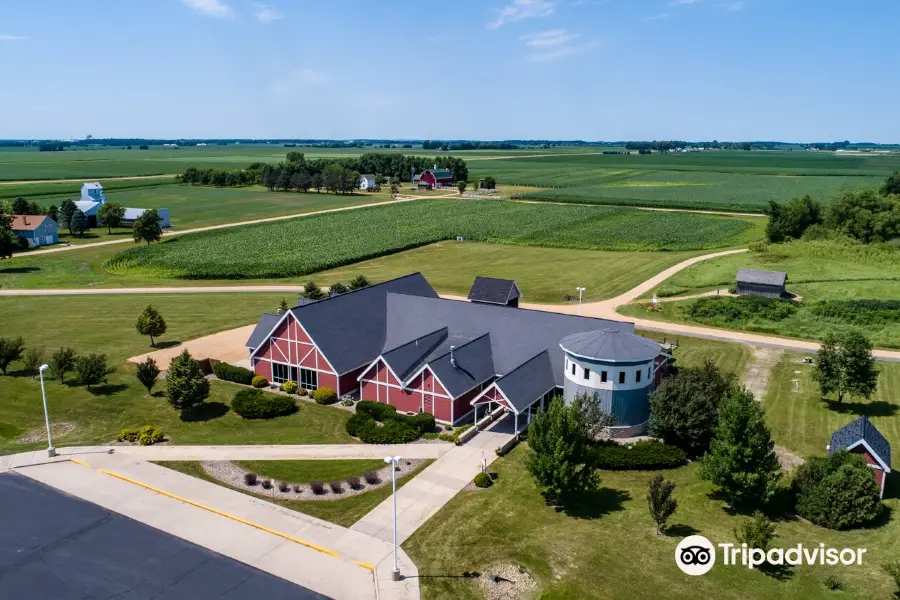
x=301 y=246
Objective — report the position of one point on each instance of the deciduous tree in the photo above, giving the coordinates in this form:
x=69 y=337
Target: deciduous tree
x=61 y=362
x=891 y=184
x=147 y=373
x=78 y=224
x=91 y=369
x=836 y=491
x=461 y=186
x=660 y=501
x=147 y=228
x=756 y=532
x=186 y=386
x=111 y=215
x=151 y=323
x=845 y=365
x=33 y=359
x=8 y=240
x=10 y=350
x=741 y=458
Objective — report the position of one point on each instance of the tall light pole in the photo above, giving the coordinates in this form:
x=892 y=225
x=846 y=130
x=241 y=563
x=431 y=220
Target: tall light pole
x=51 y=451
x=580 y=292
x=394 y=461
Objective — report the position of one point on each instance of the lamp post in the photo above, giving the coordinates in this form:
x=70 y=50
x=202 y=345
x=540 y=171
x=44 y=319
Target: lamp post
x=51 y=451
x=580 y=292
x=394 y=461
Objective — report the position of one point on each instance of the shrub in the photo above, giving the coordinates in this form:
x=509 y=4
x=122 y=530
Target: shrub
x=227 y=372
x=302 y=392
x=392 y=432
x=336 y=486
x=893 y=569
x=289 y=386
x=371 y=477
x=283 y=486
x=150 y=435
x=250 y=478
x=325 y=395
x=297 y=488
x=358 y=422
x=757 y=532
x=254 y=404
x=347 y=401
x=646 y=455
x=482 y=480
x=742 y=308
x=354 y=482
x=424 y=422
x=267 y=484
x=317 y=487
x=832 y=583
x=128 y=435
x=259 y=382
x=431 y=435
x=837 y=491
x=447 y=437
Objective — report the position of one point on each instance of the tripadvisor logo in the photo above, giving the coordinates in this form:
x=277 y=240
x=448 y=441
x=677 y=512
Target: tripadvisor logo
x=696 y=555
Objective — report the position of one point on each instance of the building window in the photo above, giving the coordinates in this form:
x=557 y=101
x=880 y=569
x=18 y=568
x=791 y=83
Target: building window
x=649 y=372
x=602 y=376
x=637 y=376
x=279 y=373
x=621 y=376
x=309 y=379
x=573 y=368
x=587 y=373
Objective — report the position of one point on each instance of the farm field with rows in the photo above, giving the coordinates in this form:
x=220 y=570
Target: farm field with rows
x=301 y=246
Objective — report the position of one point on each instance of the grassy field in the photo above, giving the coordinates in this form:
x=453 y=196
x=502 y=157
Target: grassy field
x=47 y=193
x=693 y=352
x=305 y=471
x=803 y=421
x=608 y=548
x=302 y=246
x=817 y=271
x=344 y=512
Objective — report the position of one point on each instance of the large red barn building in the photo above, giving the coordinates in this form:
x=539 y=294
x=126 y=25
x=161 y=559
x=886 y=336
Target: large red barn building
x=399 y=343
x=432 y=178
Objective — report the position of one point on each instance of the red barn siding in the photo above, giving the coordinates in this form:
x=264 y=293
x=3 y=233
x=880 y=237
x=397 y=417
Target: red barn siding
x=869 y=458
x=462 y=406
x=263 y=368
x=348 y=381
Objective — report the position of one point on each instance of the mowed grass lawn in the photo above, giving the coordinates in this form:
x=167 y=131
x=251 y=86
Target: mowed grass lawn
x=543 y=274
x=305 y=471
x=344 y=512
x=105 y=324
x=803 y=421
x=607 y=549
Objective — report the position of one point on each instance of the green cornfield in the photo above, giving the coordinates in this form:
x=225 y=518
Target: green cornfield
x=305 y=245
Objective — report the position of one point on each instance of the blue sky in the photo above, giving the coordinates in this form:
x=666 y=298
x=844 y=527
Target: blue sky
x=802 y=70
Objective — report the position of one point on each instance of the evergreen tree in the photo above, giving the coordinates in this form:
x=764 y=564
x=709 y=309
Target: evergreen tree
x=20 y=206
x=186 y=386
x=741 y=458
x=8 y=239
x=78 y=224
x=62 y=361
x=337 y=288
x=312 y=291
x=66 y=210
x=147 y=228
x=844 y=364
x=147 y=372
x=757 y=532
x=53 y=212
x=359 y=282
x=283 y=307
x=151 y=323
x=660 y=501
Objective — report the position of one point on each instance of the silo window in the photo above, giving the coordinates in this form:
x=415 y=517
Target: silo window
x=621 y=376
x=602 y=376
x=587 y=373
x=573 y=368
x=637 y=376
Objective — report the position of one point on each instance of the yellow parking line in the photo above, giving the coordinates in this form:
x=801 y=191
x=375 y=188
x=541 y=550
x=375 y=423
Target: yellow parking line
x=79 y=462
x=315 y=547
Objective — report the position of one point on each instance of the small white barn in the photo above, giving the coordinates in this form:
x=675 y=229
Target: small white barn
x=366 y=182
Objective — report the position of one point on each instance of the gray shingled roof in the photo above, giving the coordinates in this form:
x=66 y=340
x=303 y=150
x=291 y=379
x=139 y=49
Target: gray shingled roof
x=474 y=365
x=350 y=328
x=612 y=345
x=515 y=335
x=261 y=332
x=406 y=358
x=861 y=429
x=761 y=277
x=533 y=377
x=493 y=290
x=441 y=173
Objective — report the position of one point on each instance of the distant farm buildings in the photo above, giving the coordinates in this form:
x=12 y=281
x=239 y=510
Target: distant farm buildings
x=37 y=230
x=433 y=178
x=367 y=182
x=752 y=282
x=93 y=198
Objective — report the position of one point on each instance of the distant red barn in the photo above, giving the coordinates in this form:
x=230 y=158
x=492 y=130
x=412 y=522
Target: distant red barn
x=432 y=178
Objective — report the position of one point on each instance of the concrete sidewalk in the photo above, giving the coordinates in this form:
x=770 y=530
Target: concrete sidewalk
x=333 y=569
x=421 y=498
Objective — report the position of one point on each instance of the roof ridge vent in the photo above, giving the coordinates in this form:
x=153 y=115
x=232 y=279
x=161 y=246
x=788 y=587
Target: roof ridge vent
x=453 y=356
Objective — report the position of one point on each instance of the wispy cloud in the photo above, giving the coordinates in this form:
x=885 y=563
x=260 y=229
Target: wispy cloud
x=659 y=16
x=555 y=44
x=682 y=2
x=211 y=8
x=298 y=80
x=522 y=9
x=13 y=38
x=266 y=14
x=734 y=6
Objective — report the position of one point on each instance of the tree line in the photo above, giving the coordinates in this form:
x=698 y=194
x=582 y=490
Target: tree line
x=466 y=145
x=868 y=216
x=333 y=174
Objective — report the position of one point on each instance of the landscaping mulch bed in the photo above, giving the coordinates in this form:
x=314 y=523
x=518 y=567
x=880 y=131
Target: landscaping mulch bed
x=233 y=475
x=40 y=434
x=513 y=583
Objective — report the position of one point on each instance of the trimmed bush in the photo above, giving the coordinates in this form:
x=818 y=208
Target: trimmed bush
x=482 y=480
x=259 y=382
x=647 y=455
x=354 y=482
x=283 y=486
x=836 y=491
x=317 y=487
x=289 y=386
x=302 y=392
x=250 y=478
x=145 y=436
x=325 y=395
x=267 y=484
x=254 y=404
x=227 y=372
x=424 y=422
x=336 y=487
x=391 y=432
x=297 y=488
x=371 y=477
x=128 y=435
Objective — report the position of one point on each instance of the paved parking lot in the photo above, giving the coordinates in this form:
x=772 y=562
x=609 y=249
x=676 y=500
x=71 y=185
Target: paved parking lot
x=56 y=546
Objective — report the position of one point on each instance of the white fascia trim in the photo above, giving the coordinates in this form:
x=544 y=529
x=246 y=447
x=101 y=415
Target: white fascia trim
x=872 y=452
x=268 y=338
x=494 y=385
